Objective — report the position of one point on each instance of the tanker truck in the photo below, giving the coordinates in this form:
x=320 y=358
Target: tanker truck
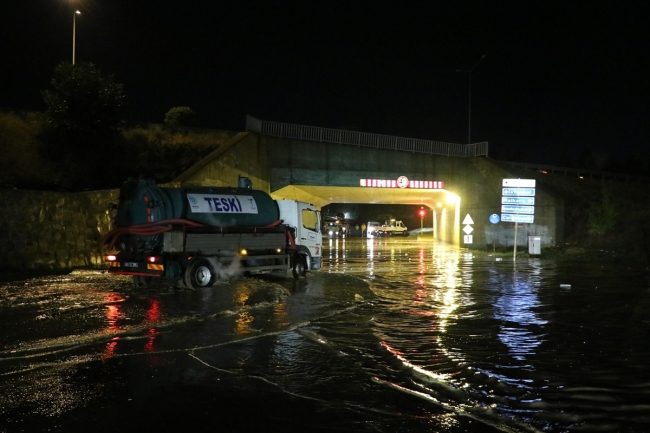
x=192 y=236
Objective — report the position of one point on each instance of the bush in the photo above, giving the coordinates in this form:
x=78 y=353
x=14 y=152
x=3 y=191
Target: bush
x=21 y=164
x=180 y=116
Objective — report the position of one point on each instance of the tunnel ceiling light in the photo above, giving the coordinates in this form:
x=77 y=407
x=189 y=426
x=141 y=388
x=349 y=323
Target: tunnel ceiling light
x=451 y=198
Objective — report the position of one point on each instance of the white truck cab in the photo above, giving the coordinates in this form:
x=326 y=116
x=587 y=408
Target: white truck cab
x=305 y=222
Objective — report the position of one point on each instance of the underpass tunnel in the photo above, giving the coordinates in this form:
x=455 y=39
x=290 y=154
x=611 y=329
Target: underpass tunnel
x=443 y=207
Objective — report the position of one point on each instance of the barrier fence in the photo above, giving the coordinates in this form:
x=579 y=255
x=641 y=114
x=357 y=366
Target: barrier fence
x=355 y=138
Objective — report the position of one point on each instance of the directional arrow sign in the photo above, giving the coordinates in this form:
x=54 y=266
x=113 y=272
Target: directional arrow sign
x=505 y=208
x=517 y=218
x=530 y=201
x=518 y=192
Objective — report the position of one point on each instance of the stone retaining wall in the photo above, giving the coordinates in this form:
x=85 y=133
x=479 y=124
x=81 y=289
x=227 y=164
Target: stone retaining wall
x=43 y=229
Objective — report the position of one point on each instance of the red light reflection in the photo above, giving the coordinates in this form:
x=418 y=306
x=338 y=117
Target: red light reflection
x=149 y=346
x=112 y=315
x=110 y=349
x=153 y=313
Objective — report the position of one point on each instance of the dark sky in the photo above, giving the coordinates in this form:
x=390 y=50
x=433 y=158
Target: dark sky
x=558 y=77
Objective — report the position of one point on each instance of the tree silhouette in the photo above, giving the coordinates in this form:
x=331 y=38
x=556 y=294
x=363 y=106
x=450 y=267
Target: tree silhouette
x=85 y=111
x=180 y=116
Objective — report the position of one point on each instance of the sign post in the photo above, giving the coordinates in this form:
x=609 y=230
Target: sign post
x=518 y=204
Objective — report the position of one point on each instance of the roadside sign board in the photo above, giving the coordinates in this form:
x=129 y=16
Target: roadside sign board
x=506 y=208
x=519 y=192
x=518 y=200
x=528 y=201
x=518 y=204
x=517 y=218
x=526 y=183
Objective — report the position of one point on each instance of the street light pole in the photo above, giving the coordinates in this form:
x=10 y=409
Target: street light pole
x=74 y=33
x=469 y=116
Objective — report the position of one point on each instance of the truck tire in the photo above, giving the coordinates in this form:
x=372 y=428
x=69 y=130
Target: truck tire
x=299 y=266
x=199 y=273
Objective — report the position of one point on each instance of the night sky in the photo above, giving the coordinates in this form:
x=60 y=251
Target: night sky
x=558 y=77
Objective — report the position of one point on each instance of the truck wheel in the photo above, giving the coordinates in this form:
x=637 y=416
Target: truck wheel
x=299 y=266
x=199 y=274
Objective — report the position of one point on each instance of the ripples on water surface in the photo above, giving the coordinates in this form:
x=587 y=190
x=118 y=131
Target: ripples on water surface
x=501 y=342
x=443 y=341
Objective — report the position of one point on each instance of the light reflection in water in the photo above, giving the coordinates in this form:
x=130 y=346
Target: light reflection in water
x=110 y=348
x=520 y=323
x=243 y=322
x=370 y=244
x=152 y=315
x=444 y=271
x=149 y=345
x=113 y=314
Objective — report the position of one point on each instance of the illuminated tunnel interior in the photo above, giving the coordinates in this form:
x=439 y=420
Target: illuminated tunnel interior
x=442 y=206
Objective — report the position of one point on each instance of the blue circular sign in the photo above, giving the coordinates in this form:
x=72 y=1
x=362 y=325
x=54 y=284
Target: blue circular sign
x=494 y=218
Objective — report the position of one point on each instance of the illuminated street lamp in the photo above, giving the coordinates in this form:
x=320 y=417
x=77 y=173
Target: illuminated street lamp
x=469 y=117
x=74 y=33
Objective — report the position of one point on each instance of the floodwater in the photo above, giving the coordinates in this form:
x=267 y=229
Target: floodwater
x=392 y=335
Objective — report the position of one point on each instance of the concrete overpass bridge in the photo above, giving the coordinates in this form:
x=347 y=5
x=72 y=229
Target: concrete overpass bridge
x=458 y=183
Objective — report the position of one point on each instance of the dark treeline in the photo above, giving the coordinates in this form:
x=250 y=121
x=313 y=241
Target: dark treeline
x=82 y=141
x=155 y=152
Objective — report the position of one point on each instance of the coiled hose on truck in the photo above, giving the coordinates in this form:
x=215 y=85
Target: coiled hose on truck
x=159 y=227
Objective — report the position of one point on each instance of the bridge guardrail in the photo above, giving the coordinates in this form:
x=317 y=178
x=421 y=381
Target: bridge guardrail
x=355 y=138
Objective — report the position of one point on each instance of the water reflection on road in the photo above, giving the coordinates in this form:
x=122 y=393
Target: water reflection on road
x=391 y=335
x=506 y=341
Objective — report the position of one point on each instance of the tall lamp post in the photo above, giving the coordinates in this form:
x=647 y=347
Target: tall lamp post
x=469 y=117
x=74 y=33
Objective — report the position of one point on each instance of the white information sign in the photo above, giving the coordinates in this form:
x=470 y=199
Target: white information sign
x=517 y=218
x=219 y=203
x=528 y=201
x=519 y=192
x=506 y=208
x=526 y=183
x=467 y=239
x=518 y=204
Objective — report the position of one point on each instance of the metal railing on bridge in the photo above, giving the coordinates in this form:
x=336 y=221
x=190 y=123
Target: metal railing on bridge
x=355 y=138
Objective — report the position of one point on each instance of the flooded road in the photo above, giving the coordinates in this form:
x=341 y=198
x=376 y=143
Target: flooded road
x=392 y=335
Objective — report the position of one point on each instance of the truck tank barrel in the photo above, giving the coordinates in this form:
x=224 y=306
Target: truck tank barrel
x=143 y=201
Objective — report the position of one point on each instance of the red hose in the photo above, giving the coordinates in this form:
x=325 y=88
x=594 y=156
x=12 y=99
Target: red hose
x=275 y=223
x=146 y=229
x=158 y=227
x=291 y=239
